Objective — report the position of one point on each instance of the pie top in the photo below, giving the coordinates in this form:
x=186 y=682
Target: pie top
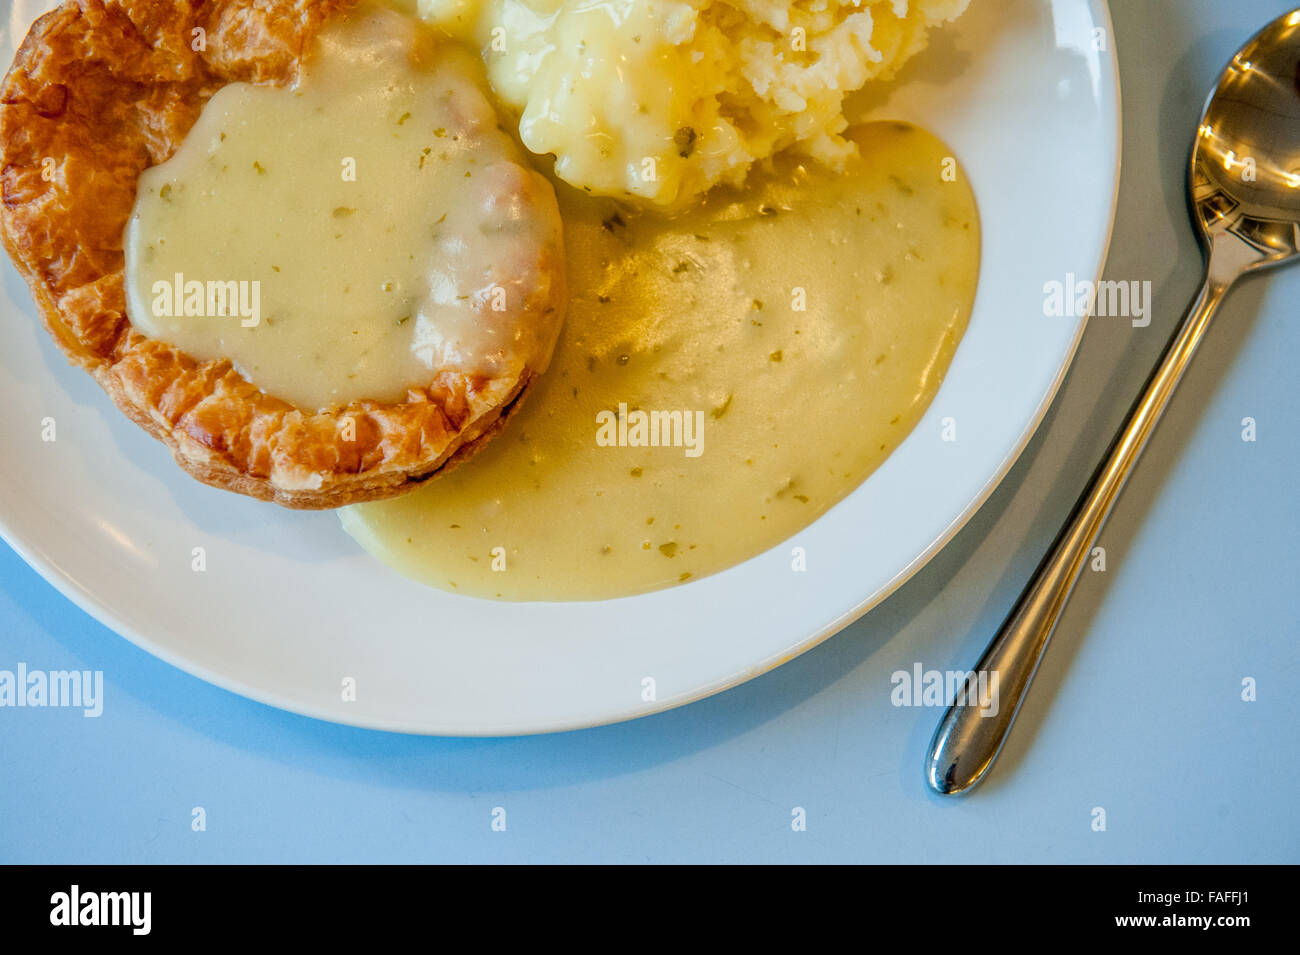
x=99 y=92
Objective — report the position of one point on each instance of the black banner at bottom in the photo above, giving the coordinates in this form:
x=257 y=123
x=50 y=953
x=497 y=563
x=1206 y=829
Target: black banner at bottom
x=331 y=902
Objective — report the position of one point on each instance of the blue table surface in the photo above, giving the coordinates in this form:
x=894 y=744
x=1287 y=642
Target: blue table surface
x=1137 y=711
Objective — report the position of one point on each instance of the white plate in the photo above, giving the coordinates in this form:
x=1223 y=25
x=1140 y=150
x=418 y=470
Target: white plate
x=289 y=607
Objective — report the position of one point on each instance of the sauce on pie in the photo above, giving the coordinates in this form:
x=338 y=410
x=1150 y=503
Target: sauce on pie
x=338 y=239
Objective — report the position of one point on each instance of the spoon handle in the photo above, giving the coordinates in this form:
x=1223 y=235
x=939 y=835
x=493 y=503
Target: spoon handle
x=972 y=732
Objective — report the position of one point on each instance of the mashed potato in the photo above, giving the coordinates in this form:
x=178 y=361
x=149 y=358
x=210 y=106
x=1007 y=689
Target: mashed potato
x=662 y=99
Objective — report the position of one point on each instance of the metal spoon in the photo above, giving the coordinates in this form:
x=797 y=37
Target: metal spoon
x=1244 y=193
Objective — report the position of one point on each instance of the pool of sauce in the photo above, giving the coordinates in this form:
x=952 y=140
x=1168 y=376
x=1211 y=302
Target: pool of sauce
x=723 y=378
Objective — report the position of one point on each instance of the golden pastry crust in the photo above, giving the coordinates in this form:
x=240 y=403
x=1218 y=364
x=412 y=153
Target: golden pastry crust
x=98 y=92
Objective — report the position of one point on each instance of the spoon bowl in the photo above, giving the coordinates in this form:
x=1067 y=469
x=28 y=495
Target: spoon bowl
x=1245 y=173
